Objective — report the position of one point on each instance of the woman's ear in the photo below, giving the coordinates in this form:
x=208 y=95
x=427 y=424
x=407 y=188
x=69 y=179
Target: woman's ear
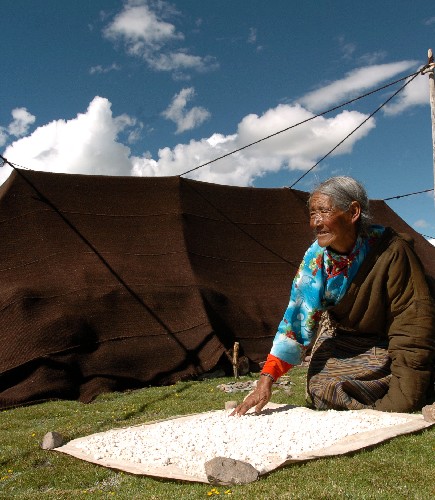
x=355 y=211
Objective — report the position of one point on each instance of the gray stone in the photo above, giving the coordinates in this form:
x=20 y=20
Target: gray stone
x=230 y=405
x=52 y=440
x=429 y=413
x=227 y=471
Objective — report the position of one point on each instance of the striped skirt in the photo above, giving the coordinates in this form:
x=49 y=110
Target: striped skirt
x=346 y=371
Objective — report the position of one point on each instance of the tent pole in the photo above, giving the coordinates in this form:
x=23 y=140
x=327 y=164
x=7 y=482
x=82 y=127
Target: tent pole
x=432 y=104
x=236 y=360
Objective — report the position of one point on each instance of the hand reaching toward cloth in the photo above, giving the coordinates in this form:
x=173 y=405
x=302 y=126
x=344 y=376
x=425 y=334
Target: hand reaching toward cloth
x=259 y=397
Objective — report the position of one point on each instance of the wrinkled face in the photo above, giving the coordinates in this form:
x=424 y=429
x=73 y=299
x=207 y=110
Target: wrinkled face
x=333 y=227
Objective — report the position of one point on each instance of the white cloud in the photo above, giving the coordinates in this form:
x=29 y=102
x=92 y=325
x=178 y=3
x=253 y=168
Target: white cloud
x=180 y=61
x=18 y=127
x=86 y=144
x=104 y=69
x=347 y=48
x=91 y=143
x=3 y=136
x=356 y=81
x=252 y=38
x=142 y=27
x=372 y=57
x=421 y=223
x=185 y=119
x=414 y=94
x=22 y=120
x=295 y=149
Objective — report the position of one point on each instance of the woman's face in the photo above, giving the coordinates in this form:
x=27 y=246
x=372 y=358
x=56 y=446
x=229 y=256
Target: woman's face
x=333 y=227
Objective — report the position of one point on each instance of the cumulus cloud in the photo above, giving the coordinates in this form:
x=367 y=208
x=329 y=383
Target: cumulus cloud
x=298 y=148
x=86 y=144
x=18 y=127
x=21 y=122
x=185 y=119
x=144 y=30
x=91 y=143
x=142 y=27
x=355 y=82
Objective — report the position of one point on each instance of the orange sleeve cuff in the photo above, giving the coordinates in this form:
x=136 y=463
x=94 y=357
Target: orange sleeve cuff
x=275 y=366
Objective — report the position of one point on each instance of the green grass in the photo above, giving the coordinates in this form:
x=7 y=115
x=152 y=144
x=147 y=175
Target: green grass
x=401 y=468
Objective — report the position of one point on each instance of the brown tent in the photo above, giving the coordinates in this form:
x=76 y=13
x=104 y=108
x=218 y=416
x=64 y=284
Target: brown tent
x=108 y=283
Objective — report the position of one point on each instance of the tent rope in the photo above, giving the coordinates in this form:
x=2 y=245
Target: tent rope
x=85 y=240
x=408 y=194
x=409 y=79
x=115 y=274
x=355 y=129
x=413 y=75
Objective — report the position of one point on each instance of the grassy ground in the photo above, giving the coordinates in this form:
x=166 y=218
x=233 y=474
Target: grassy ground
x=401 y=468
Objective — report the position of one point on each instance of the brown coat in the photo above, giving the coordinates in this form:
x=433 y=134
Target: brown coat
x=389 y=298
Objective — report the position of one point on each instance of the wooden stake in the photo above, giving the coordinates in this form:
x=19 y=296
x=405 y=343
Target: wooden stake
x=432 y=105
x=236 y=360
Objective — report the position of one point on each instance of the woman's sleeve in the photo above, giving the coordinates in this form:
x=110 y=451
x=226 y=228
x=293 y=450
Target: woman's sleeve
x=300 y=319
x=275 y=367
x=411 y=332
x=286 y=349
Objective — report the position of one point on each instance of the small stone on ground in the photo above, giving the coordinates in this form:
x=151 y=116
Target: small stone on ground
x=429 y=413
x=227 y=471
x=52 y=440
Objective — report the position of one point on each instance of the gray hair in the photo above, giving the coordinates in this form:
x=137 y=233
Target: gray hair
x=343 y=191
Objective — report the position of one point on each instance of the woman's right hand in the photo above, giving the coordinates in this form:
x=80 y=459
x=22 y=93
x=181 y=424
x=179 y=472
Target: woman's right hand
x=259 y=397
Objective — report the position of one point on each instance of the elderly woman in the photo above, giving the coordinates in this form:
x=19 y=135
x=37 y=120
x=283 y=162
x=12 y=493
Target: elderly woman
x=360 y=303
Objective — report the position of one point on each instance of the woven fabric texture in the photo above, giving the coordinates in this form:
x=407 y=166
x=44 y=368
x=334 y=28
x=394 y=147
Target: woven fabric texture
x=110 y=283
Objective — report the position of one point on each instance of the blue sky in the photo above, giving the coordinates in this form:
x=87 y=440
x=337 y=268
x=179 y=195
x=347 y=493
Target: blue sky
x=138 y=87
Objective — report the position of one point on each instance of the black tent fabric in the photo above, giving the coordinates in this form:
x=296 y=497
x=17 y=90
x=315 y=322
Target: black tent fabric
x=111 y=283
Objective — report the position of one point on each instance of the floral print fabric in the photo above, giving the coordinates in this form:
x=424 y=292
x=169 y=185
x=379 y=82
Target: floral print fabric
x=321 y=282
